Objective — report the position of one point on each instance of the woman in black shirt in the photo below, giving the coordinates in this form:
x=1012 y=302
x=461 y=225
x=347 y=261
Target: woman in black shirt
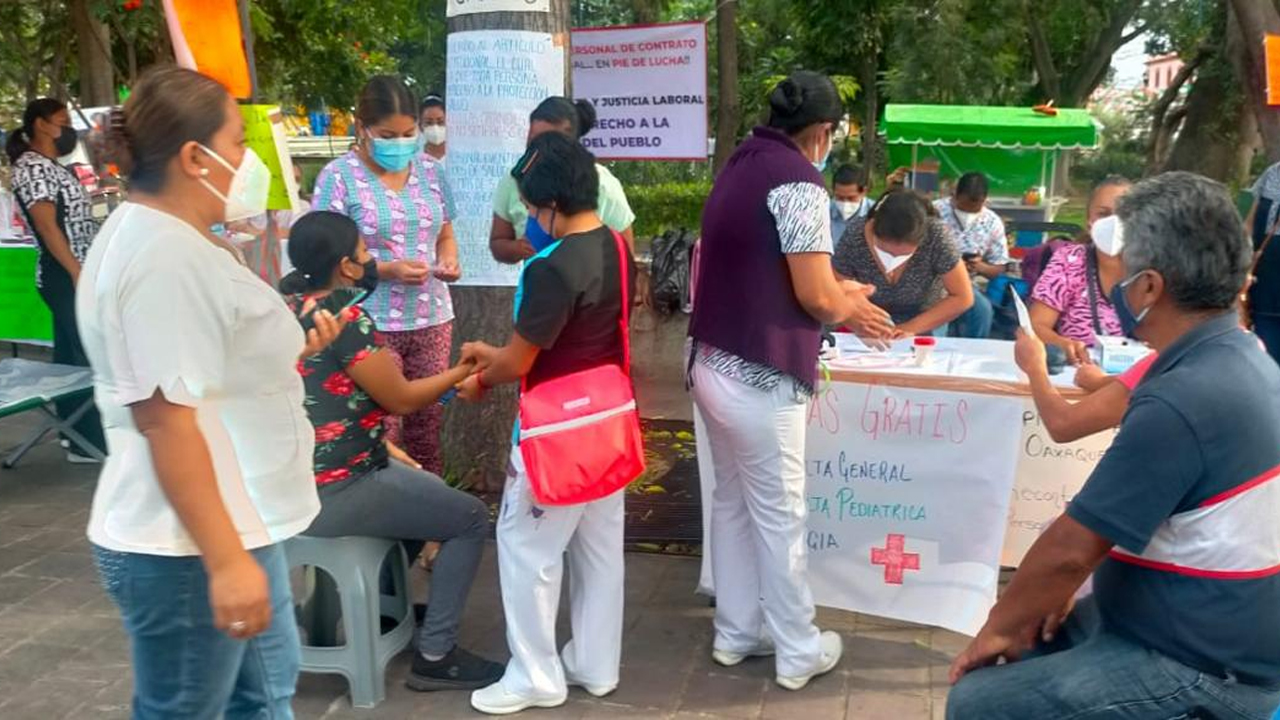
x=59 y=214
x=568 y=307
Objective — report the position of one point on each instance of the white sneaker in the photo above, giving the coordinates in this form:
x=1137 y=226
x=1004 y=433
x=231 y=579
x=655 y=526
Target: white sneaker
x=726 y=658
x=598 y=691
x=497 y=700
x=832 y=648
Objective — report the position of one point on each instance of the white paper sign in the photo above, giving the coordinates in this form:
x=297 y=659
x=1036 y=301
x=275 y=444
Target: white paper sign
x=907 y=497
x=471 y=7
x=649 y=87
x=1048 y=476
x=495 y=78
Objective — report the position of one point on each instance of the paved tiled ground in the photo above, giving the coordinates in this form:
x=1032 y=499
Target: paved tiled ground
x=63 y=655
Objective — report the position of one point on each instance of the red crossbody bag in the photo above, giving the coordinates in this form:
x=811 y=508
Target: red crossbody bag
x=580 y=433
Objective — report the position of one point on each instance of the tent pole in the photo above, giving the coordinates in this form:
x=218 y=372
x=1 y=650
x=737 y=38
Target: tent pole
x=1049 y=212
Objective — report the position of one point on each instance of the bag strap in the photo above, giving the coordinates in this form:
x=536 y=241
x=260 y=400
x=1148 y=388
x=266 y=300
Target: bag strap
x=1257 y=256
x=1094 y=282
x=625 y=319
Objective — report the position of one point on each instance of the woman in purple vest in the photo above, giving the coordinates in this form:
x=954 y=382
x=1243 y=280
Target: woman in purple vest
x=765 y=289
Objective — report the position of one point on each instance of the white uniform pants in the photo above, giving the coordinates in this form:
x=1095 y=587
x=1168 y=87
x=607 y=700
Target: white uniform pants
x=758 y=552
x=532 y=541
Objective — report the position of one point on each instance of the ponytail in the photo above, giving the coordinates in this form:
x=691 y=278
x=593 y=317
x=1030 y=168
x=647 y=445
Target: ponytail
x=318 y=242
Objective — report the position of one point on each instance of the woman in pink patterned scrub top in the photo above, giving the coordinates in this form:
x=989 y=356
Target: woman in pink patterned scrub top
x=400 y=201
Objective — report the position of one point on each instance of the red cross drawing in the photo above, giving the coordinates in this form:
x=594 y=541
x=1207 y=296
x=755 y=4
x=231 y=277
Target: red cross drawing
x=894 y=559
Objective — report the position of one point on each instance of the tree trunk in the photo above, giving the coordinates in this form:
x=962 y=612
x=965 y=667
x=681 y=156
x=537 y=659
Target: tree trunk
x=1255 y=20
x=93 y=41
x=1165 y=120
x=1211 y=132
x=476 y=439
x=730 y=109
x=869 y=79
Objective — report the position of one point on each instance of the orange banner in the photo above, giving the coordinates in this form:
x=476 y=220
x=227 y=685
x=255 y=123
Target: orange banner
x=1271 y=46
x=207 y=37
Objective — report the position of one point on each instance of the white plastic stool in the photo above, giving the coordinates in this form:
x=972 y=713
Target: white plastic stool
x=355 y=565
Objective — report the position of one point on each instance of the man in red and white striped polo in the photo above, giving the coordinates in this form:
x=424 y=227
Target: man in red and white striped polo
x=1180 y=522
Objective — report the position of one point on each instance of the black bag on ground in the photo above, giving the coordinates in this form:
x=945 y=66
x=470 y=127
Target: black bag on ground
x=669 y=271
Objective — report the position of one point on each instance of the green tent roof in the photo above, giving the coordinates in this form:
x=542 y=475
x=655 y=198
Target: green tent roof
x=989 y=127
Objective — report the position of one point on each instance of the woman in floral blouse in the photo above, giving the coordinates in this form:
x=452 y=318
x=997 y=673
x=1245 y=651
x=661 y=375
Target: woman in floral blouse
x=352 y=387
x=398 y=198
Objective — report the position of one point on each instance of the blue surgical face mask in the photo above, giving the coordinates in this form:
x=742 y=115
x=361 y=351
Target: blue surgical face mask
x=821 y=166
x=395 y=154
x=538 y=237
x=1129 y=322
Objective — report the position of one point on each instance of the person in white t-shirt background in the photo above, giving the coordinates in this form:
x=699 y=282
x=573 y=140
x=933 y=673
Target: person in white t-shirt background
x=431 y=117
x=194 y=361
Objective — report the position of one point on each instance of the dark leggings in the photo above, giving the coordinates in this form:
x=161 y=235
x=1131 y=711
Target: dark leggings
x=414 y=506
x=59 y=293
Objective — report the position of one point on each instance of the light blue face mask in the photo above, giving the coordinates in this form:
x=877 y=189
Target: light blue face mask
x=395 y=154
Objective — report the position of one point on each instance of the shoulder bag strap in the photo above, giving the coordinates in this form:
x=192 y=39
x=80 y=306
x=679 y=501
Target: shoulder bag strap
x=1094 y=282
x=625 y=318
x=1257 y=255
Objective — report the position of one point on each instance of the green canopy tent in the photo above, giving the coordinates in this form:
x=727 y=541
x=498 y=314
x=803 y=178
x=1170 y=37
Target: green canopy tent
x=1016 y=147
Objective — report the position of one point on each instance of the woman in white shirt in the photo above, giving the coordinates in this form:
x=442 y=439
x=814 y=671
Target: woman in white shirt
x=194 y=361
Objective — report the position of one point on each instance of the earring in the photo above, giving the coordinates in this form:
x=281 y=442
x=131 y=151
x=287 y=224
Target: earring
x=204 y=172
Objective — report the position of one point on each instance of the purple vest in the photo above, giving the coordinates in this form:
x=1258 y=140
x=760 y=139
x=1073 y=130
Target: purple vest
x=746 y=303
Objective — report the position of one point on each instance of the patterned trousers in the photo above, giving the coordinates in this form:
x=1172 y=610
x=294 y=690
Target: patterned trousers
x=422 y=353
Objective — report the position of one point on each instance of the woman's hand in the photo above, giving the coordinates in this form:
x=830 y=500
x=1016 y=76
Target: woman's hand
x=408 y=272
x=240 y=597
x=868 y=319
x=400 y=456
x=470 y=389
x=1029 y=352
x=447 y=268
x=1077 y=352
x=327 y=329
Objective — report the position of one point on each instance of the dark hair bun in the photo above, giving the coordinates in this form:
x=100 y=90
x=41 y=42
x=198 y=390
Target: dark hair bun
x=586 y=116
x=803 y=100
x=787 y=98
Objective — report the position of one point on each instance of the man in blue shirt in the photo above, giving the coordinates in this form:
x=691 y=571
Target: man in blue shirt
x=848 y=199
x=1178 y=523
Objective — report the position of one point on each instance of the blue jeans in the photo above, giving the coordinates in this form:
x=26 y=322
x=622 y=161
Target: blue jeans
x=976 y=321
x=1090 y=673
x=184 y=667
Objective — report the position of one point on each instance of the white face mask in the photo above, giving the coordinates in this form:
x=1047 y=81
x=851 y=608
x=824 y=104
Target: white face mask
x=1108 y=236
x=847 y=209
x=250 y=185
x=434 y=134
x=966 y=218
x=891 y=262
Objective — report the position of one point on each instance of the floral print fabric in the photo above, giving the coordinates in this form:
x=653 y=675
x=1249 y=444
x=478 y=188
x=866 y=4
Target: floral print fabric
x=349 y=425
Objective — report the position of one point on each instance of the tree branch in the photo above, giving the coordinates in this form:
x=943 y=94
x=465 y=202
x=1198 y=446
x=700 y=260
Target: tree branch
x=1094 y=69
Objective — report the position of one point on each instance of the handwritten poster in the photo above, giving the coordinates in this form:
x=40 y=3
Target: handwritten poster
x=907 y=500
x=1049 y=474
x=495 y=78
x=471 y=7
x=264 y=134
x=649 y=88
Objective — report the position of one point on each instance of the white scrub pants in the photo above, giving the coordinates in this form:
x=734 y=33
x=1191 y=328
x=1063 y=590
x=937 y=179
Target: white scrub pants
x=758 y=552
x=532 y=541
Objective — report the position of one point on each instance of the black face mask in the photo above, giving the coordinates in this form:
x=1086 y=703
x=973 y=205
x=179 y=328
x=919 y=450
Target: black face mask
x=66 y=142
x=369 y=281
